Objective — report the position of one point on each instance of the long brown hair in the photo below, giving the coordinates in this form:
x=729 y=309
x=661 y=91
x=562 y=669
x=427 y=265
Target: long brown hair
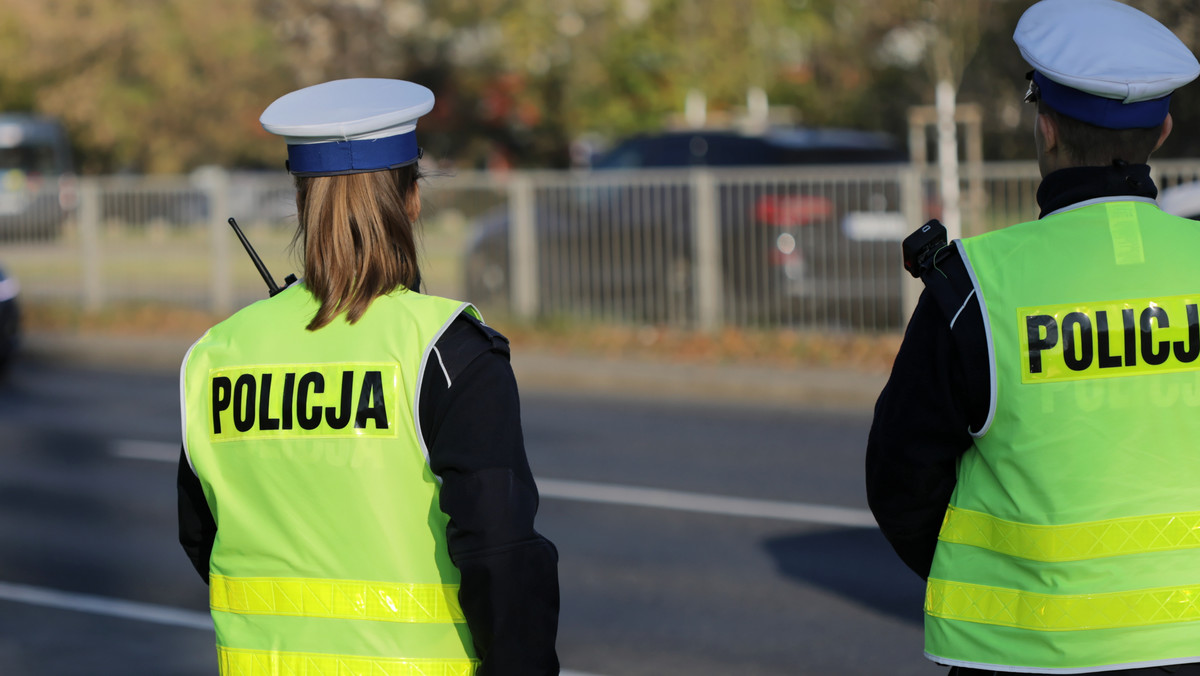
x=357 y=232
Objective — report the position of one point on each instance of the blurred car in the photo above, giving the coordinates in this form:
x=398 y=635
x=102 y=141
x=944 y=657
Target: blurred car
x=1181 y=200
x=10 y=320
x=38 y=188
x=188 y=201
x=135 y=200
x=625 y=242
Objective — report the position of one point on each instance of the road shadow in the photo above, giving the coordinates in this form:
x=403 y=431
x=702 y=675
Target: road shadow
x=855 y=563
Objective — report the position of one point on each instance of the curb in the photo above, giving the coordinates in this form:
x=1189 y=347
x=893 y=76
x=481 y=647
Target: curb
x=785 y=387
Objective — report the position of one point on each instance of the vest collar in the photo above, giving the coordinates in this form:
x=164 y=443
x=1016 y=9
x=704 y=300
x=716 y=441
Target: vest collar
x=1067 y=187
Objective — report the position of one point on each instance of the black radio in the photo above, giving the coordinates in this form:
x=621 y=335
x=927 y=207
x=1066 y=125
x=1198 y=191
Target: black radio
x=920 y=247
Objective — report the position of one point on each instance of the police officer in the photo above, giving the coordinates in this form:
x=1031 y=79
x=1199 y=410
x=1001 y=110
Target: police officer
x=354 y=486
x=1035 y=454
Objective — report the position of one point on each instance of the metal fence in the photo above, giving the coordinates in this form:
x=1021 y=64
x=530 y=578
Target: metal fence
x=812 y=248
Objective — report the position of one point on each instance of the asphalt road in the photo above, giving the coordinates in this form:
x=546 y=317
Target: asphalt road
x=694 y=538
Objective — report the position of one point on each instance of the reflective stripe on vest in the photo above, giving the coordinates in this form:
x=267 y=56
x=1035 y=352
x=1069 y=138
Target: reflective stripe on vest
x=1061 y=612
x=1072 y=542
x=1072 y=539
x=267 y=663
x=343 y=599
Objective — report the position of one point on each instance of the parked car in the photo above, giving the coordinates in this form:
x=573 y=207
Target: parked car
x=184 y=202
x=790 y=250
x=38 y=188
x=10 y=320
x=134 y=200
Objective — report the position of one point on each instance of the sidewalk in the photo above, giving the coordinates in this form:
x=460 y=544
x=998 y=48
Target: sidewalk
x=783 y=387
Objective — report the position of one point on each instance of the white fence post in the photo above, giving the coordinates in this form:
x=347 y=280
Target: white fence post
x=216 y=184
x=913 y=206
x=89 y=244
x=522 y=247
x=706 y=250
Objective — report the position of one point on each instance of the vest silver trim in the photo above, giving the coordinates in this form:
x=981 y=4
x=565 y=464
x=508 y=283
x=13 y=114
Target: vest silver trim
x=1102 y=200
x=183 y=419
x=1071 y=670
x=991 y=346
x=430 y=349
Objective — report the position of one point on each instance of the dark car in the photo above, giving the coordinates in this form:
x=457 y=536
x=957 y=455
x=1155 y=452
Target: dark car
x=38 y=188
x=618 y=241
x=10 y=320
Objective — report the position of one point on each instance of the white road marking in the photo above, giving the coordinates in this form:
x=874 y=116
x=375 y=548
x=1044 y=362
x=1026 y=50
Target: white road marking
x=616 y=494
x=127 y=610
x=146 y=450
x=586 y=491
x=100 y=605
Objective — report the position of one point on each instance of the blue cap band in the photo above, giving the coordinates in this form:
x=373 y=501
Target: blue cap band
x=353 y=157
x=1100 y=111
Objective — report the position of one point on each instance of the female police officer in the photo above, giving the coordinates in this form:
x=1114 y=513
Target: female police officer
x=354 y=486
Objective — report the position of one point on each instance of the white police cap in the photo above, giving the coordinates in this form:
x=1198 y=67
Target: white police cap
x=1103 y=62
x=349 y=126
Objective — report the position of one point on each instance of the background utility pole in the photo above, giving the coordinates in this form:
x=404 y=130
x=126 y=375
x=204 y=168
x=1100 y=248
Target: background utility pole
x=955 y=25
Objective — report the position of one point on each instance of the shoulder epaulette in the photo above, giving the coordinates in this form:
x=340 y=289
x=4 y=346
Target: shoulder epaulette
x=466 y=339
x=949 y=282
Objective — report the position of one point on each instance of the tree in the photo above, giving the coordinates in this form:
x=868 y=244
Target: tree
x=159 y=87
x=169 y=85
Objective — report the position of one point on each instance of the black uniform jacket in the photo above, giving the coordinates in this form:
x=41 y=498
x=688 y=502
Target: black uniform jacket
x=940 y=388
x=470 y=418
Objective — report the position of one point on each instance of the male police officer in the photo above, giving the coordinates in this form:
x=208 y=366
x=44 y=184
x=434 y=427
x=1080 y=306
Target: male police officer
x=1034 y=453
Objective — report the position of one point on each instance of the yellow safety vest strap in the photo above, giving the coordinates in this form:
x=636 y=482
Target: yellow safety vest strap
x=341 y=599
x=1072 y=542
x=271 y=663
x=1061 y=612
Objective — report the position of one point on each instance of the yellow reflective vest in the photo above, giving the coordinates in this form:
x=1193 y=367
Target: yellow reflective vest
x=1072 y=540
x=330 y=555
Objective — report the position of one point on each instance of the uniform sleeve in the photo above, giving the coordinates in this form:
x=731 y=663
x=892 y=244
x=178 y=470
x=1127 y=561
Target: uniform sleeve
x=937 y=391
x=471 y=421
x=197 y=528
